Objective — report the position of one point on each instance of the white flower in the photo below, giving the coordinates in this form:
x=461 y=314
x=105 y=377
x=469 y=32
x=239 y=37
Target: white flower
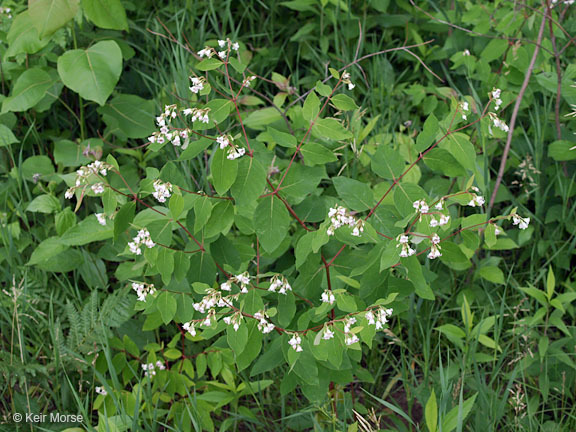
x=351 y=86
x=295 y=342
x=476 y=201
x=222 y=54
x=69 y=194
x=406 y=250
x=101 y=218
x=235 y=46
x=206 y=52
x=435 y=239
x=434 y=251
x=101 y=391
x=223 y=141
x=98 y=188
x=439 y=205
x=187 y=111
x=162 y=190
x=247 y=81
x=226 y=286
x=279 y=281
x=143 y=290
x=235 y=153
x=197 y=84
x=444 y=219
x=421 y=206
x=370 y=317
x=346 y=80
x=142 y=238
x=349 y=321
x=160 y=365
x=433 y=223
x=328 y=334
x=189 y=327
x=351 y=339
x=221 y=43
x=466 y=53
x=520 y=221
x=495 y=93
x=327 y=297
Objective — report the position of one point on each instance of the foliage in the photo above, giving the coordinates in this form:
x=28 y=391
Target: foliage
x=271 y=212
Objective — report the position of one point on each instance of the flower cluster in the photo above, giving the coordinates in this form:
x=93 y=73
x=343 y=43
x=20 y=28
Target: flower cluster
x=210 y=300
x=379 y=318
x=150 y=368
x=339 y=217
x=280 y=283
x=465 y=108
x=96 y=168
x=143 y=290
x=264 y=325
x=328 y=297
x=162 y=190
x=435 y=248
x=346 y=80
x=349 y=337
x=520 y=221
x=403 y=242
x=6 y=11
x=495 y=96
x=223 y=43
x=327 y=334
x=189 y=327
x=466 y=53
x=178 y=138
x=198 y=114
x=236 y=320
x=142 y=238
x=497 y=123
x=421 y=206
x=197 y=84
x=234 y=152
x=248 y=81
x=296 y=342
x=444 y=219
x=243 y=280
x=476 y=200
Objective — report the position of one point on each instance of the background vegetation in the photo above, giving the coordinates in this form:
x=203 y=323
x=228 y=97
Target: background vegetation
x=493 y=351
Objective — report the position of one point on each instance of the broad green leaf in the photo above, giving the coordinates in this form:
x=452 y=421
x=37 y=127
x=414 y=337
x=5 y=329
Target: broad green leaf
x=431 y=412
x=195 y=148
x=224 y=171
x=330 y=129
x=459 y=145
x=44 y=204
x=252 y=348
x=490 y=235
x=219 y=110
x=37 y=165
x=48 y=248
x=124 y=218
x=442 y=161
x=387 y=163
x=428 y=135
x=209 y=64
x=49 y=15
x=282 y=138
x=29 y=89
x=6 y=136
x=165 y=264
x=404 y=196
x=562 y=150
x=492 y=274
x=202 y=211
x=106 y=14
x=23 y=36
x=87 y=231
x=129 y=116
x=271 y=221
x=317 y=154
x=344 y=102
x=390 y=256
x=494 y=49
x=550 y=283
x=167 y=306
x=311 y=107
x=416 y=276
x=93 y=73
x=69 y=154
x=301 y=181
x=458 y=414
x=237 y=338
x=452 y=331
x=176 y=205
x=355 y=194
x=250 y=181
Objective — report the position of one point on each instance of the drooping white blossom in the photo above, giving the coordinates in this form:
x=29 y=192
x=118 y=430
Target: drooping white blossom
x=520 y=221
x=296 y=342
x=327 y=297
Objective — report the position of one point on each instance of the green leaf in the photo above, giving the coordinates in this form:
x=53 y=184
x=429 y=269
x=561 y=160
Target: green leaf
x=311 y=107
x=457 y=414
x=44 y=204
x=344 y=102
x=165 y=264
x=416 y=276
x=219 y=109
x=390 y=256
x=176 y=205
x=442 y=161
x=92 y=73
x=202 y=211
x=349 y=281
x=452 y=331
x=6 y=136
x=331 y=129
x=195 y=148
x=387 y=163
x=87 y=231
x=271 y=221
x=209 y=64
x=431 y=412
x=28 y=90
x=129 y=116
x=69 y=154
x=346 y=303
x=550 y=283
x=459 y=145
x=561 y=150
x=224 y=171
x=23 y=36
x=301 y=181
x=490 y=235
x=428 y=135
x=492 y=274
x=124 y=218
x=106 y=14
x=49 y=15
x=317 y=154
x=355 y=194
x=167 y=306
x=237 y=339
x=282 y=138
x=50 y=247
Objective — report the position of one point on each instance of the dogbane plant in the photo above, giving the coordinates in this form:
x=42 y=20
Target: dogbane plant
x=282 y=247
